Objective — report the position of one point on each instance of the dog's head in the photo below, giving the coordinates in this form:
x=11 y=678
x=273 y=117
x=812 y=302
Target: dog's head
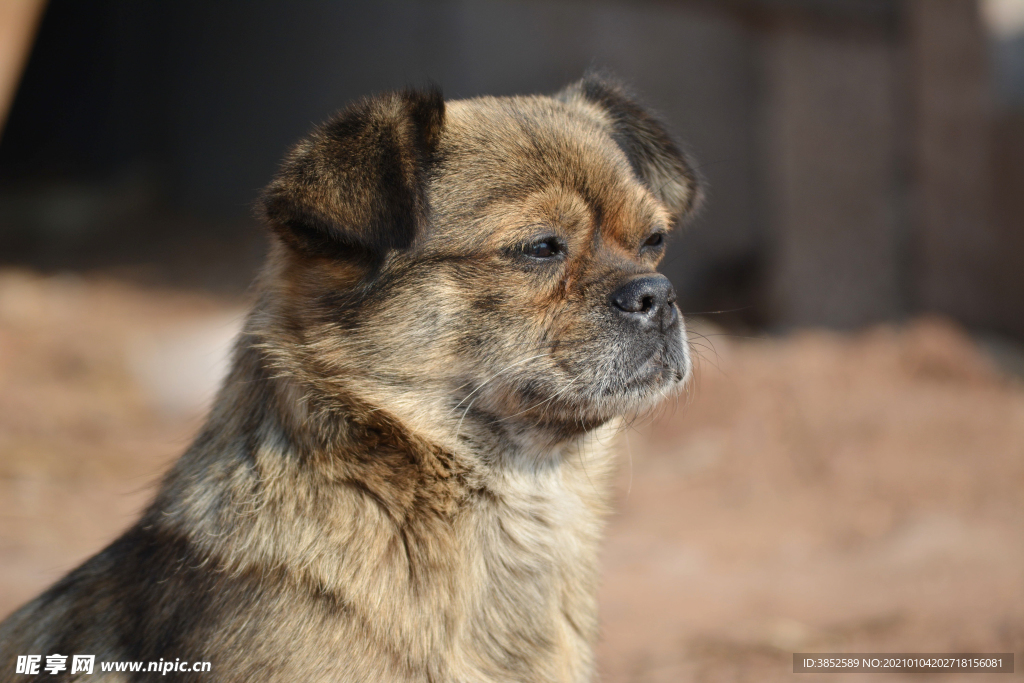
x=494 y=256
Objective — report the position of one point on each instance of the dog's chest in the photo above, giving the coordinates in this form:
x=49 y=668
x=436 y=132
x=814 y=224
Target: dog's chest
x=534 y=571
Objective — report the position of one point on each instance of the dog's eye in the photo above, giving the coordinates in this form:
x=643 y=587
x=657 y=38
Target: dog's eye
x=545 y=248
x=655 y=240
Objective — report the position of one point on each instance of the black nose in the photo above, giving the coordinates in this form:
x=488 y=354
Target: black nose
x=647 y=299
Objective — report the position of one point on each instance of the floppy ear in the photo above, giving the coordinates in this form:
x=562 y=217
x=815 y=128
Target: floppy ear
x=355 y=187
x=656 y=159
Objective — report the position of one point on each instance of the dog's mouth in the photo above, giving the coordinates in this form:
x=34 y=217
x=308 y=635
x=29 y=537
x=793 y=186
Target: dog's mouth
x=615 y=382
x=656 y=374
x=663 y=369
x=577 y=386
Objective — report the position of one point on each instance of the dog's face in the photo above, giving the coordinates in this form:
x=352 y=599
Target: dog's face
x=494 y=255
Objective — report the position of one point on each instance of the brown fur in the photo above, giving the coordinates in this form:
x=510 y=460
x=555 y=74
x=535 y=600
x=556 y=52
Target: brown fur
x=404 y=475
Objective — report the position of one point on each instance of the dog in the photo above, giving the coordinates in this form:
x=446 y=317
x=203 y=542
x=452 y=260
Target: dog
x=405 y=472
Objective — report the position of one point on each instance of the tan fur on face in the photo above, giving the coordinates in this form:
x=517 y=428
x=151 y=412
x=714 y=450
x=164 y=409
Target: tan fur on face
x=405 y=475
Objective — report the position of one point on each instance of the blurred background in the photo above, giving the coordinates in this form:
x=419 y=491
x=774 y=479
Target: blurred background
x=847 y=471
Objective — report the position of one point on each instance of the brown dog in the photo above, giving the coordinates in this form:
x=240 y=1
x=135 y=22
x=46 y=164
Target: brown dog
x=404 y=475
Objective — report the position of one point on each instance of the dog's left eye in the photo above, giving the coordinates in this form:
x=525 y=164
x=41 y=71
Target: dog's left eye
x=655 y=240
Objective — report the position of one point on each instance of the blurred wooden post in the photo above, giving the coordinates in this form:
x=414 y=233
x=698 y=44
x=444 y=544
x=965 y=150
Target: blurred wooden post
x=18 y=22
x=831 y=169
x=953 y=238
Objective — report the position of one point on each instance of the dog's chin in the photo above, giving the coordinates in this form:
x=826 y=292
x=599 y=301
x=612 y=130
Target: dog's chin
x=654 y=378
x=582 y=408
x=657 y=379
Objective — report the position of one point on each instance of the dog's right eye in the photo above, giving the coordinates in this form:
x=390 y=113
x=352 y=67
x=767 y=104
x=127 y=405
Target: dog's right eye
x=545 y=248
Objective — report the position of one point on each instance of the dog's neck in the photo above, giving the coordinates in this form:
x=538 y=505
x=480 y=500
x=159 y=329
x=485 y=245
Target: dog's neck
x=311 y=406
x=452 y=534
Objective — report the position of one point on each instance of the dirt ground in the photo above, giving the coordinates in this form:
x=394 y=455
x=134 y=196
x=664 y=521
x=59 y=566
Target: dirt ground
x=812 y=493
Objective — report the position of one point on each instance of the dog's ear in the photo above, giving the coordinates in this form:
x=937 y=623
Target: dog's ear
x=656 y=159
x=355 y=187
